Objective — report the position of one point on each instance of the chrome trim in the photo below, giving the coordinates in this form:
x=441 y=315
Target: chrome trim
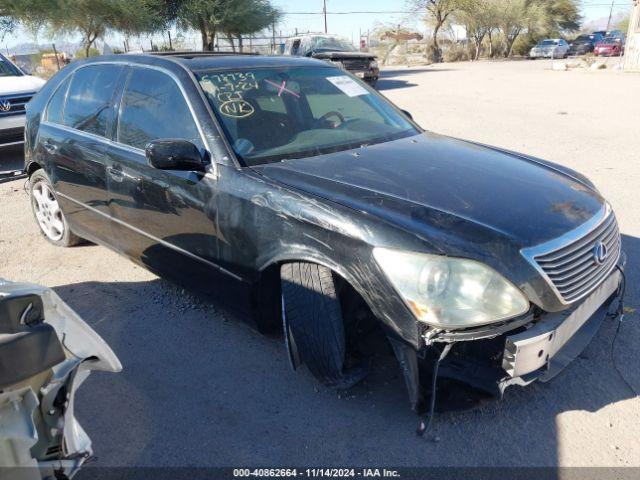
x=565 y=240
x=154 y=238
x=11 y=144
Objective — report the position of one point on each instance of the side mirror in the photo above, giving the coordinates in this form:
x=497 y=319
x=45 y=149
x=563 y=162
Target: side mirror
x=407 y=114
x=174 y=154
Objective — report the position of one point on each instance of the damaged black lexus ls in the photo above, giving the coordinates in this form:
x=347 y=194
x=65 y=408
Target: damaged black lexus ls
x=293 y=190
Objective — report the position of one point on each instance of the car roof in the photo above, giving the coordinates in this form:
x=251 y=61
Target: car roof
x=198 y=61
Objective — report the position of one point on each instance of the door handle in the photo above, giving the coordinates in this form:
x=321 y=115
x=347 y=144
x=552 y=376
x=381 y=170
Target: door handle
x=115 y=173
x=50 y=147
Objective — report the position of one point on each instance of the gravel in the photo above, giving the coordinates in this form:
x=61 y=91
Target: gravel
x=201 y=388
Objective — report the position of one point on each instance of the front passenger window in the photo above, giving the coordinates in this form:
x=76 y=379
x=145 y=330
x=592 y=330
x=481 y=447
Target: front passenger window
x=153 y=107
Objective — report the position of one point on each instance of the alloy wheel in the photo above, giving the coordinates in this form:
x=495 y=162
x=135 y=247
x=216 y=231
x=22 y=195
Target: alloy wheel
x=47 y=211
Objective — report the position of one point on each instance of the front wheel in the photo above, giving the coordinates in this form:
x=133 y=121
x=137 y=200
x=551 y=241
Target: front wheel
x=47 y=212
x=312 y=319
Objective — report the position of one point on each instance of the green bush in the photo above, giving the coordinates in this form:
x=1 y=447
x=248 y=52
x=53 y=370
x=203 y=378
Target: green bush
x=457 y=53
x=93 y=52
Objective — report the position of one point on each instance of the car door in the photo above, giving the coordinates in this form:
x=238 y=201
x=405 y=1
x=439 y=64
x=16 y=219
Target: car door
x=164 y=219
x=73 y=139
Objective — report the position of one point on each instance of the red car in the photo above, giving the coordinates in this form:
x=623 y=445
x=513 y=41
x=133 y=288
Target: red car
x=609 y=47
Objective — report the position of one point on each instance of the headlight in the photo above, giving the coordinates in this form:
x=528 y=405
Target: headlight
x=373 y=64
x=450 y=292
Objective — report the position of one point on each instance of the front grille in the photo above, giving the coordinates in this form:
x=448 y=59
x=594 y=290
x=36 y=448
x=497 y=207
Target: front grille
x=574 y=269
x=13 y=104
x=11 y=135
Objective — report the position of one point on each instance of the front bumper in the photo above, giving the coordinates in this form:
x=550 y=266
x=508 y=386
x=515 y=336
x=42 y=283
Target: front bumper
x=370 y=75
x=544 y=348
x=537 y=348
x=12 y=130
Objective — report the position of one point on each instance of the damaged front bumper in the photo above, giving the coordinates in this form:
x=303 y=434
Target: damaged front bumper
x=535 y=347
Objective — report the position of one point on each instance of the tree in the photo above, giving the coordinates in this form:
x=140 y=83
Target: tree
x=559 y=16
x=515 y=17
x=229 y=17
x=478 y=18
x=91 y=19
x=438 y=11
x=248 y=17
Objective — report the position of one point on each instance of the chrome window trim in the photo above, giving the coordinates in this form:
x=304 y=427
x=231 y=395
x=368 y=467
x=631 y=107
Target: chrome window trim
x=567 y=239
x=154 y=238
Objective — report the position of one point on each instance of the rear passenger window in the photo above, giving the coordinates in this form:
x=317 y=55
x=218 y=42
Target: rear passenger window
x=153 y=107
x=56 y=104
x=88 y=105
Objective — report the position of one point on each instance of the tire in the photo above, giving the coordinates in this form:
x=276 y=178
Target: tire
x=313 y=318
x=47 y=212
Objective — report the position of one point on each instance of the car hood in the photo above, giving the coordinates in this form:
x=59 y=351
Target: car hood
x=434 y=186
x=20 y=84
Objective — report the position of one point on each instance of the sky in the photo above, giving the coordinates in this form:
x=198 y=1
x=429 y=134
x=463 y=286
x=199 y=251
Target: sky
x=350 y=25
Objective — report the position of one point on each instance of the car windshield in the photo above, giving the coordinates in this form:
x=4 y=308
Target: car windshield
x=546 y=43
x=7 y=69
x=585 y=38
x=324 y=44
x=281 y=113
x=610 y=40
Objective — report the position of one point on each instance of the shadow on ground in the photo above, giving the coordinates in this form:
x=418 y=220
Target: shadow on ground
x=388 y=81
x=201 y=388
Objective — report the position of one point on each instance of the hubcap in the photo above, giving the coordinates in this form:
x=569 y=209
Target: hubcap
x=47 y=211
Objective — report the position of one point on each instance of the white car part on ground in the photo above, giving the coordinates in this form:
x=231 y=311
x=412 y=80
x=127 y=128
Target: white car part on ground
x=39 y=434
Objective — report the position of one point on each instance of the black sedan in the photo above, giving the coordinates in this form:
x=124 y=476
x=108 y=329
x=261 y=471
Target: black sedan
x=584 y=44
x=296 y=193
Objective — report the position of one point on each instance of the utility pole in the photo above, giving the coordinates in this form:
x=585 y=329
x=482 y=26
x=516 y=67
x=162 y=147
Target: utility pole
x=170 y=45
x=324 y=11
x=273 y=38
x=610 y=14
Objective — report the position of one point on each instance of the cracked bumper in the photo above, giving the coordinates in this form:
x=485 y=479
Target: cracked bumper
x=558 y=338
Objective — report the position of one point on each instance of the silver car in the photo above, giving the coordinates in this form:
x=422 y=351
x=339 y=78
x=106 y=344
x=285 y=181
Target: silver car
x=550 y=48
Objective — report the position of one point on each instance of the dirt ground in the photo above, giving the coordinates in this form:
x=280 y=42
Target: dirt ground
x=200 y=388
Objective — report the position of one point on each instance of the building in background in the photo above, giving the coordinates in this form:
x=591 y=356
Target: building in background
x=632 y=47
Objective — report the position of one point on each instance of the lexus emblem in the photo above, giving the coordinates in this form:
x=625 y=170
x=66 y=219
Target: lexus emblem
x=600 y=253
x=5 y=105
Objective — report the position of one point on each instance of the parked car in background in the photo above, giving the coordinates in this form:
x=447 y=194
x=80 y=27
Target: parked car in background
x=550 y=48
x=16 y=89
x=301 y=196
x=46 y=352
x=584 y=44
x=335 y=50
x=611 y=46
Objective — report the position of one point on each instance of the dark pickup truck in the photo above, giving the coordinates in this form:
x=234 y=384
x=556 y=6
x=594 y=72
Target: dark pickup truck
x=337 y=51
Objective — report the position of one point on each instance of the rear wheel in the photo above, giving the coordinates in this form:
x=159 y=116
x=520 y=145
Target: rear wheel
x=47 y=211
x=313 y=323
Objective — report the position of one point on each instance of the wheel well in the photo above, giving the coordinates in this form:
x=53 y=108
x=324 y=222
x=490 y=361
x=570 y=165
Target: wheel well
x=363 y=330
x=32 y=167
